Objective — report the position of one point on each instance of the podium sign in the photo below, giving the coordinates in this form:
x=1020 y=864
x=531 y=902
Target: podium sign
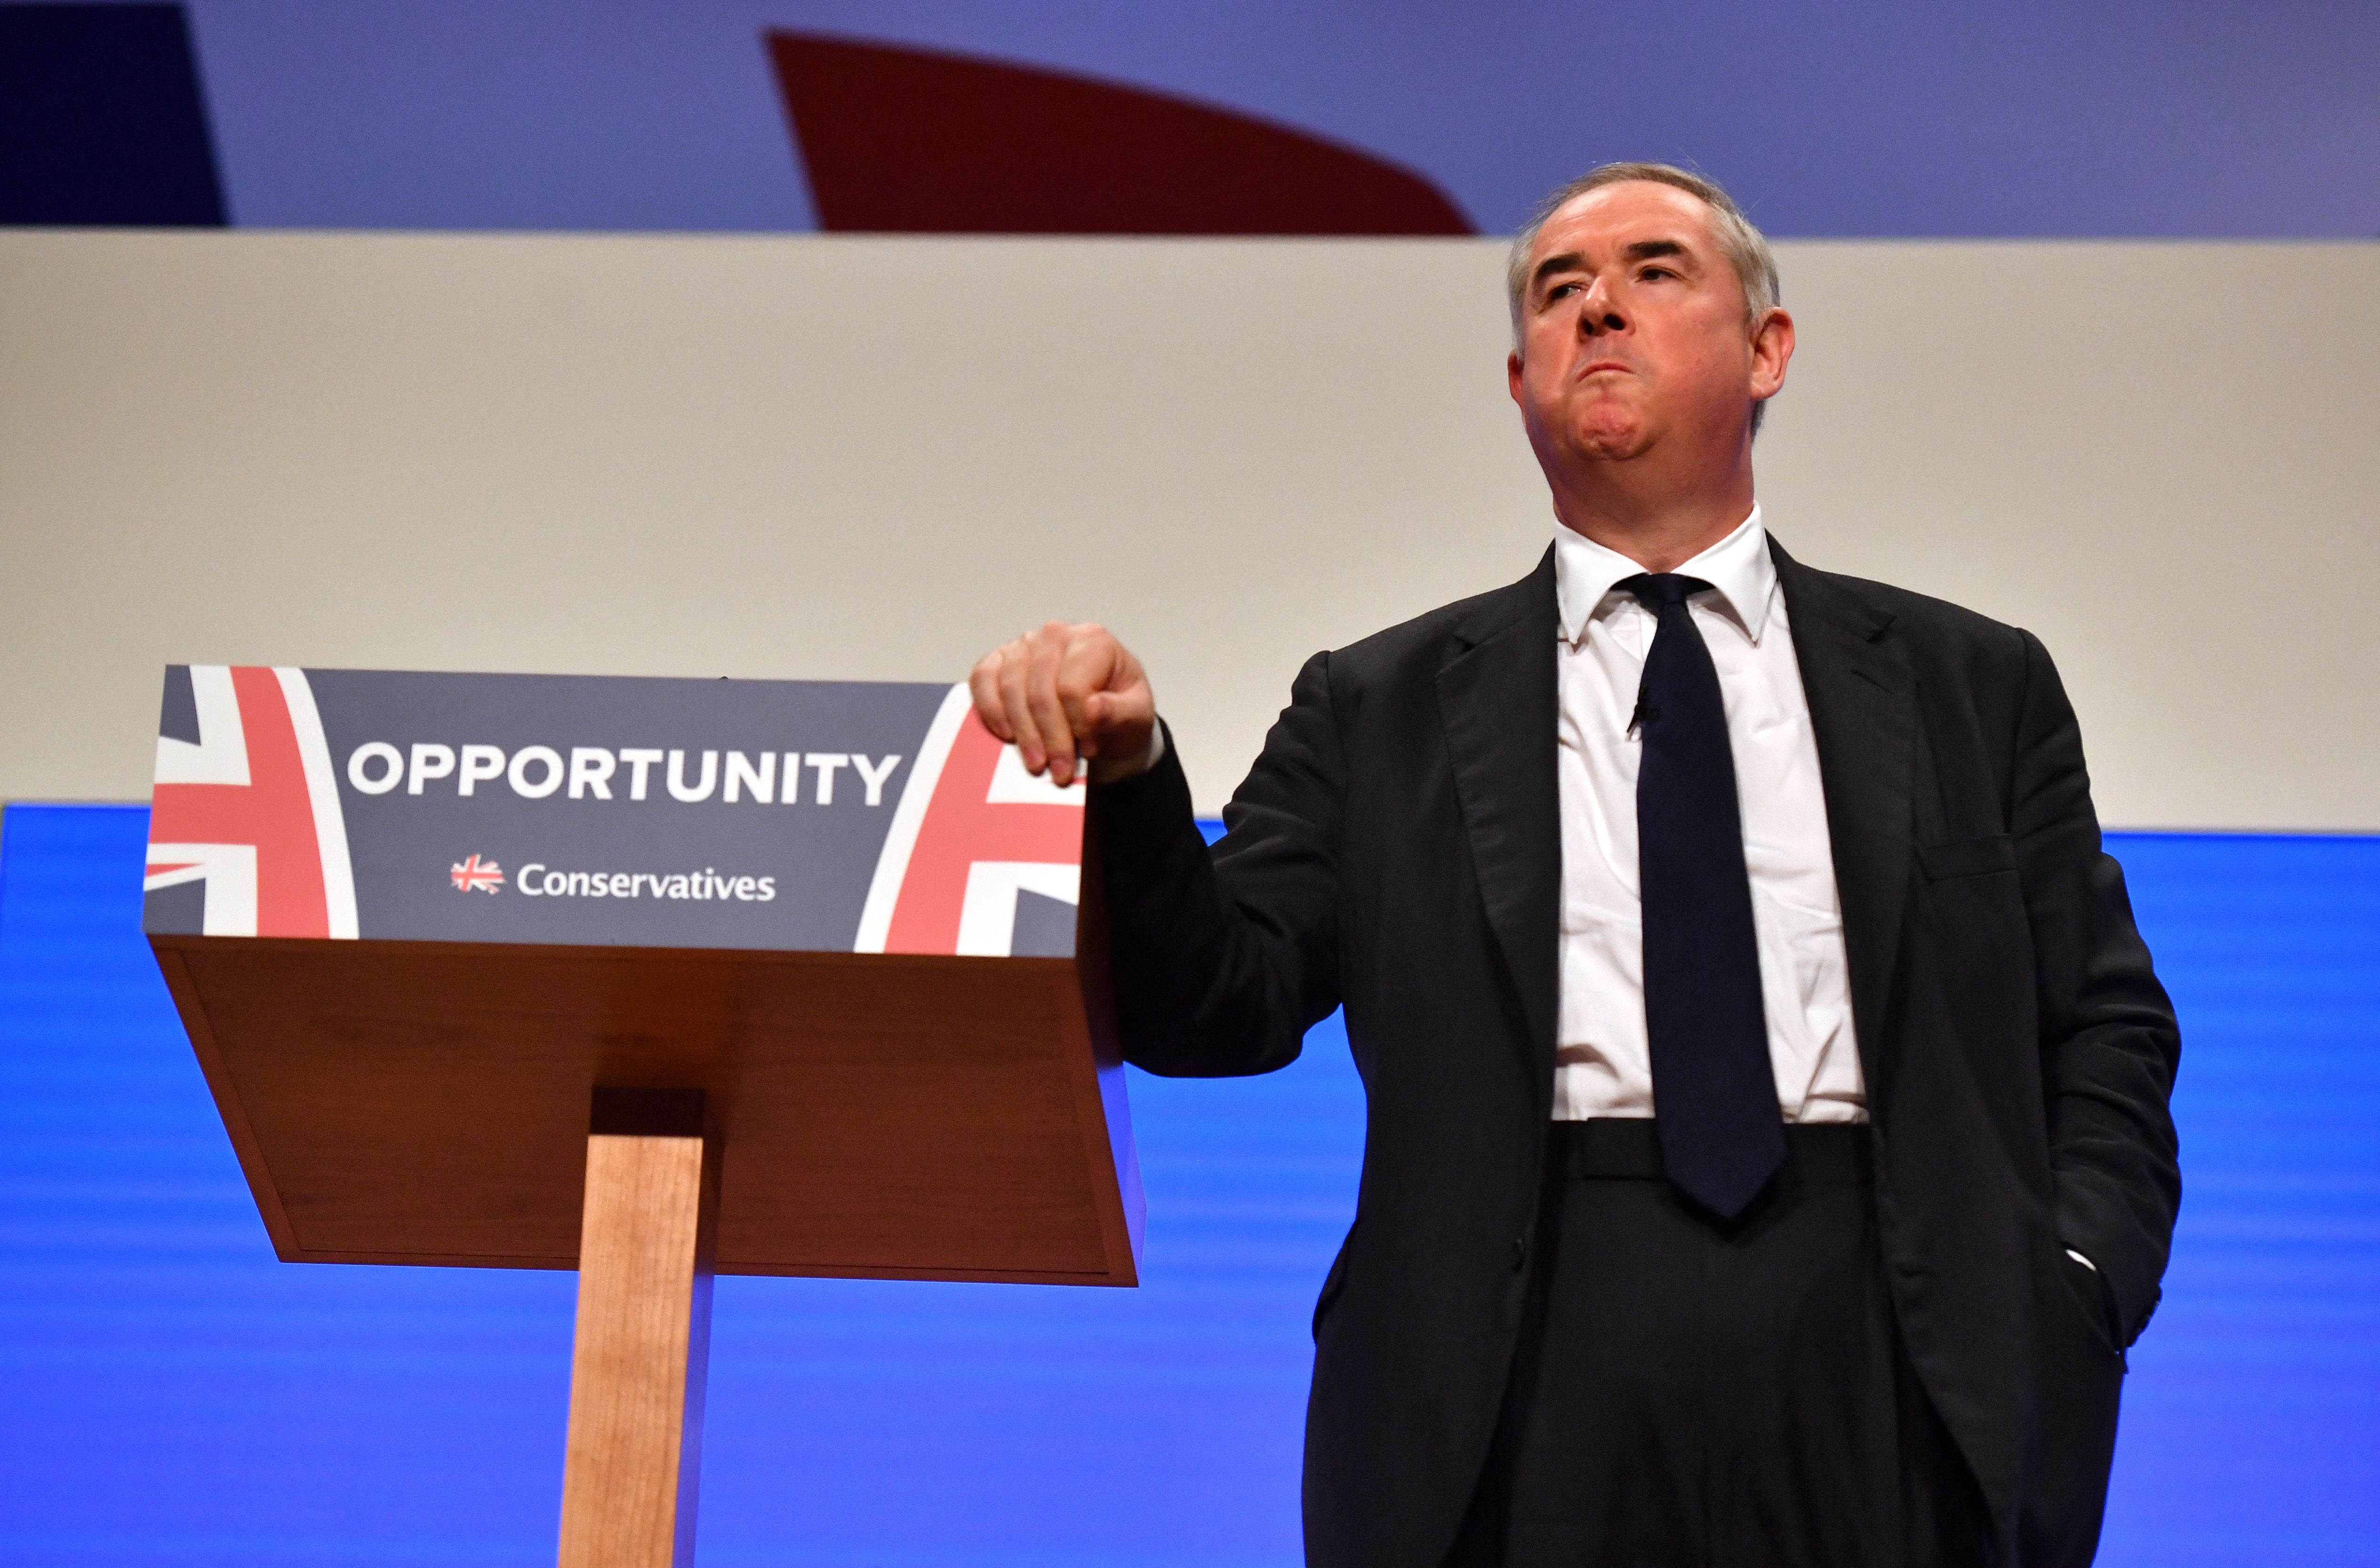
x=758 y=977
x=773 y=814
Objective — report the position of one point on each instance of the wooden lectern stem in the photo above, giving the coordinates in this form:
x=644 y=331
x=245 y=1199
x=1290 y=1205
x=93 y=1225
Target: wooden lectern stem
x=648 y=1241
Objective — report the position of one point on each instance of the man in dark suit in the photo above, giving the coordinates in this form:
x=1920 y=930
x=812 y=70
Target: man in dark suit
x=1767 y=1154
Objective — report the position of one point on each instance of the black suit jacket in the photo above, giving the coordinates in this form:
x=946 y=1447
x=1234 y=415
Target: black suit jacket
x=1396 y=850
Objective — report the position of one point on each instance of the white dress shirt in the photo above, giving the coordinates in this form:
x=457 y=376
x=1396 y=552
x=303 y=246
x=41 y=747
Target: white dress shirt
x=1601 y=1065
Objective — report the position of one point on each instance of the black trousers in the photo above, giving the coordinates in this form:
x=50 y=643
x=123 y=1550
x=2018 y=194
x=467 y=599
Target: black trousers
x=1691 y=1393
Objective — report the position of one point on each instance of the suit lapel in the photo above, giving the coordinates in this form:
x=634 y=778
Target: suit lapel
x=1496 y=700
x=1863 y=709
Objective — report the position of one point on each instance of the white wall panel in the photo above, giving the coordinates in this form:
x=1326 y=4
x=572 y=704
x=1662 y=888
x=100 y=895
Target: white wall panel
x=872 y=458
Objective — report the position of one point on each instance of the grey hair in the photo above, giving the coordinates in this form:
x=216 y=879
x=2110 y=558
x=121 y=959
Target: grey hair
x=1745 y=248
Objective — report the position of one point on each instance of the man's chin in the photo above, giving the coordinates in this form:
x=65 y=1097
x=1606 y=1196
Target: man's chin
x=1611 y=440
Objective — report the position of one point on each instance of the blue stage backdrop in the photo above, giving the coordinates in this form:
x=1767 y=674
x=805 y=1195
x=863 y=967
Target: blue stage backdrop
x=174 y=1394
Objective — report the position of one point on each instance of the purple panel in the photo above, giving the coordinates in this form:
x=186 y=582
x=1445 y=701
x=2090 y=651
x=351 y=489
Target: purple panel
x=102 y=120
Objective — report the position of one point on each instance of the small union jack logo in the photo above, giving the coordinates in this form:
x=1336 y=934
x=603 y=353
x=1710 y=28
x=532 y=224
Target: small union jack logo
x=477 y=875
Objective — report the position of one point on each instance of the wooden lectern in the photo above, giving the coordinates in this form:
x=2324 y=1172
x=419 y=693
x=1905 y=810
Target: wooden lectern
x=653 y=1116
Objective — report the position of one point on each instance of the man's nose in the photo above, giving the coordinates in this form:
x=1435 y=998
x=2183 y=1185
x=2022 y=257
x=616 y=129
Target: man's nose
x=1599 y=312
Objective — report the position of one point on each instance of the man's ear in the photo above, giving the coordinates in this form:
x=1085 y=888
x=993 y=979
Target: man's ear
x=1513 y=374
x=1772 y=351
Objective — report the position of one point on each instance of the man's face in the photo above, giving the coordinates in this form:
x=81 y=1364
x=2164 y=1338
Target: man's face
x=1633 y=331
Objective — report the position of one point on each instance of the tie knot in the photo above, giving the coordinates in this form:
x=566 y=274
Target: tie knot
x=1656 y=590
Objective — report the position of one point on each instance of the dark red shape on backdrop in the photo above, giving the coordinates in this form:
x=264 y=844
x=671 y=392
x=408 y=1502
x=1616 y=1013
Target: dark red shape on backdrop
x=911 y=141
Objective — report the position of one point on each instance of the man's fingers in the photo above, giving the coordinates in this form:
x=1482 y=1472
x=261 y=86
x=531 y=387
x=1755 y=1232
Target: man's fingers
x=1130 y=709
x=1055 y=730
x=1063 y=695
x=1083 y=672
x=983 y=685
x=1015 y=663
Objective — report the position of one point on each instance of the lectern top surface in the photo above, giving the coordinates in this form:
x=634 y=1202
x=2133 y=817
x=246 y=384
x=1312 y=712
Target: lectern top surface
x=812 y=816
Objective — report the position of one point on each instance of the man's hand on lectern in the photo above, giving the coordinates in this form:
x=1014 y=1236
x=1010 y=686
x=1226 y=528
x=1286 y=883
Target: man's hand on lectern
x=1071 y=699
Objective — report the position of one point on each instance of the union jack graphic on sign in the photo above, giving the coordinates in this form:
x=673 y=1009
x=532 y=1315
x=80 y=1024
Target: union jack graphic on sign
x=476 y=875
x=974 y=830
x=251 y=809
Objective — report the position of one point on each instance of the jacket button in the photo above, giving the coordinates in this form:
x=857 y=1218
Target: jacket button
x=1520 y=1252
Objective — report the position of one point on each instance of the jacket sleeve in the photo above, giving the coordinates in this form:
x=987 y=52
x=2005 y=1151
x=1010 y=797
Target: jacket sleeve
x=2110 y=1043
x=1222 y=960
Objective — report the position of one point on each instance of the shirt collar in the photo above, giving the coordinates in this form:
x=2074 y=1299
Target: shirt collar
x=1738 y=567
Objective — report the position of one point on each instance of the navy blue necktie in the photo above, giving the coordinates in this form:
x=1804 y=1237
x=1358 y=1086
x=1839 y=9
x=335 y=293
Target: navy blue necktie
x=1714 y=1092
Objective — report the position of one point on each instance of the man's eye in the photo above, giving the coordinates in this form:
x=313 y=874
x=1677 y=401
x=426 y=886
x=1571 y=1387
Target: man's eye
x=1557 y=290
x=1656 y=272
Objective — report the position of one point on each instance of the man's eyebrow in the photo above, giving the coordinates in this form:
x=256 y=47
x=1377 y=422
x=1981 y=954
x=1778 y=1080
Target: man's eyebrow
x=1572 y=260
x=1568 y=262
x=1647 y=249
